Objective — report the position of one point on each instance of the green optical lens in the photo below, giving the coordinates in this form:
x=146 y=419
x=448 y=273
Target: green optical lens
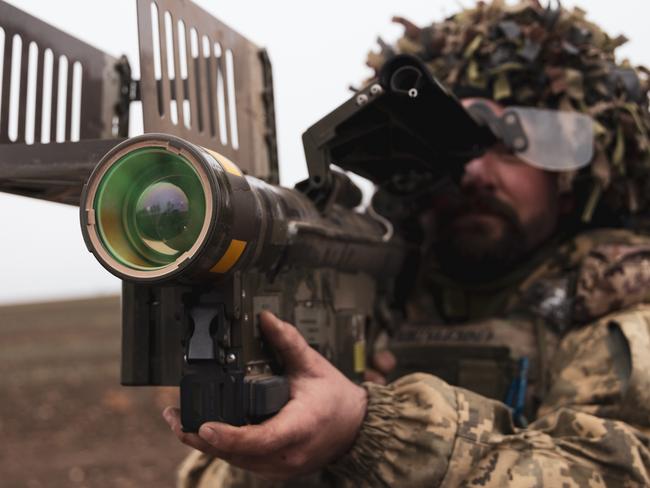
x=150 y=208
x=162 y=218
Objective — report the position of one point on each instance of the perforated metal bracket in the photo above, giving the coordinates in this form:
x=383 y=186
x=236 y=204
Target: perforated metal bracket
x=58 y=57
x=68 y=92
x=222 y=101
x=57 y=108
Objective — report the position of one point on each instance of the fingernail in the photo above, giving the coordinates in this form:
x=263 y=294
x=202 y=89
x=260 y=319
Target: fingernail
x=207 y=434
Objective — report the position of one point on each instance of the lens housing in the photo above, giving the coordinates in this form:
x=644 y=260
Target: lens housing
x=156 y=208
x=149 y=208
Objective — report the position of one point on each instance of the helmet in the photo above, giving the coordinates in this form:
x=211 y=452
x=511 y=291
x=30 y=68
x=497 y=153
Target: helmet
x=553 y=58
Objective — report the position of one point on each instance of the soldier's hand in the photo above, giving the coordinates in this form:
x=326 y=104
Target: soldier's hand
x=318 y=424
x=383 y=362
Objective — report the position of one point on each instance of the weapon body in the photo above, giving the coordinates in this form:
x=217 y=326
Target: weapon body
x=190 y=234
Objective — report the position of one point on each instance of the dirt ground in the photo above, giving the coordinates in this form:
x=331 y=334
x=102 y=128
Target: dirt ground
x=65 y=421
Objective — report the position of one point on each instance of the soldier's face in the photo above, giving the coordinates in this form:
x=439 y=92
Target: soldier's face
x=506 y=209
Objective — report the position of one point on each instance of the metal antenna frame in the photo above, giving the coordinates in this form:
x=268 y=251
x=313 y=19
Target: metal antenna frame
x=56 y=169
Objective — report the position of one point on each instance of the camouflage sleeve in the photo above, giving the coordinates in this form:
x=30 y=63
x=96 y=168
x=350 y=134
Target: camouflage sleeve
x=592 y=430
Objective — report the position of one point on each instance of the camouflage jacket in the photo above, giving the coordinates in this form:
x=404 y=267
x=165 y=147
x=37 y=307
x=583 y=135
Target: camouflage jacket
x=592 y=428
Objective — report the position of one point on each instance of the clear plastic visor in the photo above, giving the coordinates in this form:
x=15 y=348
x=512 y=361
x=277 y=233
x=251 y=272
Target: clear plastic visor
x=552 y=140
x=555 y=141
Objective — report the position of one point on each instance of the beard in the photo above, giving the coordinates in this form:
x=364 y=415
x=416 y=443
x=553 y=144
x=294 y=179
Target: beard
x=477 y=239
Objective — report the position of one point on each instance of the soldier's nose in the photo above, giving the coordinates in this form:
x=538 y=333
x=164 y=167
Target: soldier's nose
x=479 y=174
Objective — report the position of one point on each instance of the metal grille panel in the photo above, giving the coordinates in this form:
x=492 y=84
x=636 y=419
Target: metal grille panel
x=203 y=81
x=55 y=88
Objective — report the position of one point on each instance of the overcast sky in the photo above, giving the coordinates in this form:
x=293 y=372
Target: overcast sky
x=317 y=48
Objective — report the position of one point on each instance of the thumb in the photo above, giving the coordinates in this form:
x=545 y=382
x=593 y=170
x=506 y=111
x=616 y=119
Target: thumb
x=287 y=341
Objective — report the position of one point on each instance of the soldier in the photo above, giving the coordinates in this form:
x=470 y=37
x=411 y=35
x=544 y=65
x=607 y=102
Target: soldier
x=535 y=256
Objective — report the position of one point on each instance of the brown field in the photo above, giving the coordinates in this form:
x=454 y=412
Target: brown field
x=65 y=421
